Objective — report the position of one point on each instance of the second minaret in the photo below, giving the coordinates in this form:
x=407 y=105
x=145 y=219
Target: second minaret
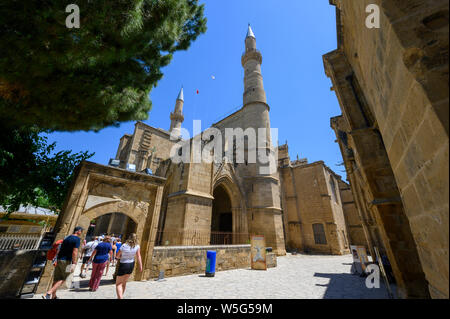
x=176 y=118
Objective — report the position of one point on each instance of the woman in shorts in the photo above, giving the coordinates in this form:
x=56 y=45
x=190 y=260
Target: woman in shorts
x=127 y=254
x=102 y=253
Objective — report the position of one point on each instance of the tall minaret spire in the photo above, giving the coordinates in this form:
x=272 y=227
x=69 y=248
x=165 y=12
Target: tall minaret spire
x=176 y=117
x=250 y=32
x=251 y=61
x=260 y=174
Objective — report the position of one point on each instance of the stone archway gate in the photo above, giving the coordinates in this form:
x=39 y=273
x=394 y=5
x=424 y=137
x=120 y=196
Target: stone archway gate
x=97 y=190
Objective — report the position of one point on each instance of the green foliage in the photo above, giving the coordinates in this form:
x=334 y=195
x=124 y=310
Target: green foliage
x=29 y=173
x=98 y=75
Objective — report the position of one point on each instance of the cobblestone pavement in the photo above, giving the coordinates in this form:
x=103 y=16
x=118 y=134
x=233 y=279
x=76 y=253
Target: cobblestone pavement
x=295 y=277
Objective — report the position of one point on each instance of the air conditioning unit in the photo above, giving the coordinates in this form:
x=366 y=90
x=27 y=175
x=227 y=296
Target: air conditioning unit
x=114 y=162
x=131 y=167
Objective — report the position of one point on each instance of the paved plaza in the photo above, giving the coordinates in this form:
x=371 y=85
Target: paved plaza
x=295 y=277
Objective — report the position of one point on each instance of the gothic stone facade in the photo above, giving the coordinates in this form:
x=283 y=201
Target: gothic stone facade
x=392 y=86
x=249 y=201
x=203 y=199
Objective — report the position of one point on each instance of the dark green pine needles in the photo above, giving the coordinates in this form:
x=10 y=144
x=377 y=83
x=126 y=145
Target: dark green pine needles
x=98 y=75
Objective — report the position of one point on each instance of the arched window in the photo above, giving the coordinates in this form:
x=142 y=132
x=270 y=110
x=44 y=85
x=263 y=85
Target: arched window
x=319 y=234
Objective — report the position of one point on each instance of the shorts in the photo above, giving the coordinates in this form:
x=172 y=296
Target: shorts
x=125 y=269
x=62 y=270
x=85 y=259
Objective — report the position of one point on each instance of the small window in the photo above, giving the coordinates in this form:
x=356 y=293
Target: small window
x=319 y=234
x=3 y=229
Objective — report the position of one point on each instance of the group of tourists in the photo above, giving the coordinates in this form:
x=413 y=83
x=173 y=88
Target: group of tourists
x=89 y=248
x=99 y=252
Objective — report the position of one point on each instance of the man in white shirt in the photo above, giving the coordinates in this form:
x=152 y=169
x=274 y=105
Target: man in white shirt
x=87 y=253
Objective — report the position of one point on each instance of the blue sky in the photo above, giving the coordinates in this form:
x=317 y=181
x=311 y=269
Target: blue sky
x=292 y=36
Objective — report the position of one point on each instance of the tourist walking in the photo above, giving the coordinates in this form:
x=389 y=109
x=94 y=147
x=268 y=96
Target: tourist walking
x=66 y=261
x=114 y=247
x=99 y=258
x=87 y=253
x=113 y=254
x=126 y=255
x=118 y=244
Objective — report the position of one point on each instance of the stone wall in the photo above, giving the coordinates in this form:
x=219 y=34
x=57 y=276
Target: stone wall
x=339 y=227
x=356 y=235
x=308 y=199
x=359 y=191
x=146 y=148
x=186 y=260
x=399 y=77
x=14 y=268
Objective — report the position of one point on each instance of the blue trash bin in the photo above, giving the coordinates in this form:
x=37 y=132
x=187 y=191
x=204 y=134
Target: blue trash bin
x=210 y=263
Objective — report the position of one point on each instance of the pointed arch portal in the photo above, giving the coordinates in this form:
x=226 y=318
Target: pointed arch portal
x=229 y=224
x=221 y=218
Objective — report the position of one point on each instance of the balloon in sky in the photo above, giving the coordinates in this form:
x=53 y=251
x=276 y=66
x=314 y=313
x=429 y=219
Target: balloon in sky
x=213 y=77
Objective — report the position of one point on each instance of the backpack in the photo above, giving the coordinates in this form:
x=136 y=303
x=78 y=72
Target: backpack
x=51 y=254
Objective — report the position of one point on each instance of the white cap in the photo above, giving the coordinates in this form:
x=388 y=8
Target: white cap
x=250 y=32
x=180 y=95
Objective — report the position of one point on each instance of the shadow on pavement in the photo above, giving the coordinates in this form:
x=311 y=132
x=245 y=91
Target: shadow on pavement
x=83 y=285
x=348 y=286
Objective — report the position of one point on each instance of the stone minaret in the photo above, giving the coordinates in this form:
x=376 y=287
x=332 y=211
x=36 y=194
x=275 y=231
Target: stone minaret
x=253 y=81
x=263 y=187
x=254 y=98
x=176 y=118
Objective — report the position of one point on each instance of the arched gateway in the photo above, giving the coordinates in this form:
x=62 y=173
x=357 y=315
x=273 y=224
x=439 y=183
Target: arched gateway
x=98 y=190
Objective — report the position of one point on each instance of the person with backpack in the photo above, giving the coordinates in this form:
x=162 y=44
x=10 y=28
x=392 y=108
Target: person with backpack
x=66 y=260
x=53 y=252
x=87 y=253
x=100 y=256
x=126 y=255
